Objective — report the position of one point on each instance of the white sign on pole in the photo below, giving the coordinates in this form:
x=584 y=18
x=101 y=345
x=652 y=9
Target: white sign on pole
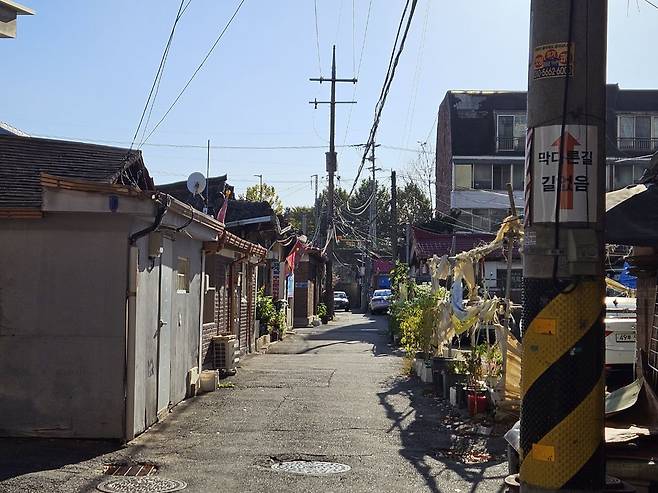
x=575 y=184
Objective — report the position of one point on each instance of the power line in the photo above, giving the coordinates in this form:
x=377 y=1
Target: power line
x=358 y=70
x=212 y=48
x=317 y=34
x=157 y=87
x=393 y=63
x=158 y=73
x=194 y=146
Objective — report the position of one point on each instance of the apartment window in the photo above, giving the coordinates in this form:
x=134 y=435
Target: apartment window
x=638 y=171
x=637 y=132
x=482 y=177
x=510 y=132
x=182 y=275
x=626 y=174
x=463 y=176
x=517 y=176
x=501 y=176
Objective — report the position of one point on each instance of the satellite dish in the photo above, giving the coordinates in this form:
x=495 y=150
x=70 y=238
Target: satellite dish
x=196 y=183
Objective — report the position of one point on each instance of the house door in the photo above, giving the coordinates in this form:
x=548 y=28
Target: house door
x=164 y=325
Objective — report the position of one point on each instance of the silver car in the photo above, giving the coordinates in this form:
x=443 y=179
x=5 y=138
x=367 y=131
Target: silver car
x=380 y=301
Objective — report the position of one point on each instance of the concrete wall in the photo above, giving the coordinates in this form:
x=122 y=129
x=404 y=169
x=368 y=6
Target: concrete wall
x=182 y=326
x=62 y=325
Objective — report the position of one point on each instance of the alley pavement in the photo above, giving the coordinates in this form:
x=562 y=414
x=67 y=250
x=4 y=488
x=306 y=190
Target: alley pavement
x=332 y=393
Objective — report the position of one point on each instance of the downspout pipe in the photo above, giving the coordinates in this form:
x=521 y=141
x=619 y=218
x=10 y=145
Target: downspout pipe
x=162 y=208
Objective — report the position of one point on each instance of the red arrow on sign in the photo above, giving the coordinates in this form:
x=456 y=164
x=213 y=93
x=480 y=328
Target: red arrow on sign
x=566 y=179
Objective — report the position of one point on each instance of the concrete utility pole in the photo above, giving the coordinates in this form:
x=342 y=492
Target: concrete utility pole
x=372 y=230
x=562 y=445
x=315 y=201
x=260 y=187
x=394 y=217
x=332 y=165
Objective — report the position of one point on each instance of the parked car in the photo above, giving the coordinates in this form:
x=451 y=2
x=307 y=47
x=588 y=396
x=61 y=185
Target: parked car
x=620 y=331
x=380 y=301
x=341 y=301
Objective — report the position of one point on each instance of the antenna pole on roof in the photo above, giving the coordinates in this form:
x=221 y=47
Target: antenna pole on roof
x=208 y=177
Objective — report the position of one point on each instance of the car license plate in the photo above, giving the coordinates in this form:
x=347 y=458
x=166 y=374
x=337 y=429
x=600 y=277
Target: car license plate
x=625 y=337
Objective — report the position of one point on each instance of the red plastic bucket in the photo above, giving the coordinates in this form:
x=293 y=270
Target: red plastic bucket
x=477 y=402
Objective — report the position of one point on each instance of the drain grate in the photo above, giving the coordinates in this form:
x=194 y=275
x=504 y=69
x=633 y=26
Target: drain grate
x=130 y=469
x=141 y=484
x=311 y=467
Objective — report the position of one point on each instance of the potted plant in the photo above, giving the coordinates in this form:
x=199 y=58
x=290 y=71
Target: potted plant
x=476 y=394
x=323 y=314
x=265 y=311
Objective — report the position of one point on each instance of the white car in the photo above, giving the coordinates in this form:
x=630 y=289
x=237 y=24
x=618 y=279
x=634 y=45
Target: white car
x=380 y=301
x=620 y=331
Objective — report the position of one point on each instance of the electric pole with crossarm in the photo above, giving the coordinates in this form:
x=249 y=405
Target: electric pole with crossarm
x=331 y=161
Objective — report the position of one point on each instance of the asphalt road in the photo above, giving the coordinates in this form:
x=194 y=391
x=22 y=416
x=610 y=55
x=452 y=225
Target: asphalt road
x=332 y=393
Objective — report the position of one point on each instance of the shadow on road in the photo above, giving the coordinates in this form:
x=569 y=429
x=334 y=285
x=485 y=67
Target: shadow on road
x=371 y=330
x=20 y=456
x=425 y=437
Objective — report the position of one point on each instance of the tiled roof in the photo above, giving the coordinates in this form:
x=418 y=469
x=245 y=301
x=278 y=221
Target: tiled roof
x=23 y=159
x=245 y=209
x=214 y=189
x=428 y=243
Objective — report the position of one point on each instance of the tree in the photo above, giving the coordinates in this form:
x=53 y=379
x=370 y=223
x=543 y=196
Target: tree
x=414 y=205
x=268 y=194
x=355 y=220
x=421 y=171
x=295 y=216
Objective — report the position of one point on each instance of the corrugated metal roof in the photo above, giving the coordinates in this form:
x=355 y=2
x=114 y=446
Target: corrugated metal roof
x=23 y=159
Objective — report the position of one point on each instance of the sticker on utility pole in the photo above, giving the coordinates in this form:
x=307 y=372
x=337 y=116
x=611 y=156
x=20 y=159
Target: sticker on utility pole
x=551 y=61
x=574 y=182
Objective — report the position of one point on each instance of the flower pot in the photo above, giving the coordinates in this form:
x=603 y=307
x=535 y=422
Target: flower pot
x=461 y=395
x=441 y=365
x=324 y=320
x=477 y=402
x=450 y=379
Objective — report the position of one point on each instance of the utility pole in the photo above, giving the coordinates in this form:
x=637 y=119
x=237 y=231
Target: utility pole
x=260 y=187
x=208 y=182
x=562 y=411
x=332 y=165
x=315 y=202
x=394 y=217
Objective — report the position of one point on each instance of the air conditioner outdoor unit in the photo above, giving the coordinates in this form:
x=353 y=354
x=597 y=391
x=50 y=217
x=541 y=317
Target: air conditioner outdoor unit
x=226 y=353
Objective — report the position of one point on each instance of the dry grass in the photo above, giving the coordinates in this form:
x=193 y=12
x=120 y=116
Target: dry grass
x=408 y=365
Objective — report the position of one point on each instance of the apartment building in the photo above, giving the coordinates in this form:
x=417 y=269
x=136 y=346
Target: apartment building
x=481 y=147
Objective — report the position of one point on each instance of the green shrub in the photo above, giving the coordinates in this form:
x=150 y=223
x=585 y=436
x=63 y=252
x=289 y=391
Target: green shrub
x=265 y=310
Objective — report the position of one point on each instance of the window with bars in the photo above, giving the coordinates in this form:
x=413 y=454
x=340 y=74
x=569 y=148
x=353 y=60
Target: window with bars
x=637 y=132
x=182 y=275
x=510 y=132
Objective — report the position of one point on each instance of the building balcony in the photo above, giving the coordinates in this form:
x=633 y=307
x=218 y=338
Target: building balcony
x=637 y=144
x=485 y=199
x=506 y=144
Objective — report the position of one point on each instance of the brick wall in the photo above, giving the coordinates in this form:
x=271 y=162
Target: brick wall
x=208 y=331
x=443 y=157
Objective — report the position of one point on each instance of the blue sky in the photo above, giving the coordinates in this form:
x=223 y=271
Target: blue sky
x=82 y=69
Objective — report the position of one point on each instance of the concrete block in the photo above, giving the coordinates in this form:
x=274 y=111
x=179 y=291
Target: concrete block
x=209 y=380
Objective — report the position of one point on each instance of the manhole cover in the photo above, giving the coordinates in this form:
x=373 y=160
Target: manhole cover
x=141 y=484
x=311 y=467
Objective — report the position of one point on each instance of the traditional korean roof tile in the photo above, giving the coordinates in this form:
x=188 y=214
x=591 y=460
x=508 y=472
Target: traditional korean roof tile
x=428 y=243
x=24 y=159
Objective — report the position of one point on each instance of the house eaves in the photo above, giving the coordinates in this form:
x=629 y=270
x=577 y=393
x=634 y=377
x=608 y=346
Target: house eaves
x=246 y=222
